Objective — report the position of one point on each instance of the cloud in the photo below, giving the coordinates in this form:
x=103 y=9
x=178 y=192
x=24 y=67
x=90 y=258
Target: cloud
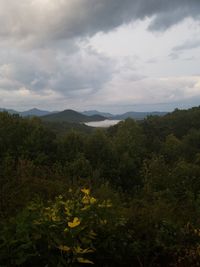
x=188 y=45
x=82 y=72
x=149 y=91
x=47 y=60
x=122 y=93
x=36 y=22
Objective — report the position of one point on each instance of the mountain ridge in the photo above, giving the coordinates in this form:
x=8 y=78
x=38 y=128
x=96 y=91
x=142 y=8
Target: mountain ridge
x=138 y=115
x=76 y=116
x=96 y=112
x=34 y=112
x=70 y=115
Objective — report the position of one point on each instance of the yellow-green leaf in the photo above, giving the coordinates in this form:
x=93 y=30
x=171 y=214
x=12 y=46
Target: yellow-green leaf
x=82 y=260
x=86 y=200
x=93 y=200
x=80 y=250
x=85 y=191
x=64 y=248
x=74 y=223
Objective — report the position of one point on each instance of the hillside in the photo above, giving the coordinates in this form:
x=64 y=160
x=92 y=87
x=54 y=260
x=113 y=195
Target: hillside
x=27 y=113
x=96 y=112
x=137 y=115
x=71 y=116
x=61 y=128
x=10 y=111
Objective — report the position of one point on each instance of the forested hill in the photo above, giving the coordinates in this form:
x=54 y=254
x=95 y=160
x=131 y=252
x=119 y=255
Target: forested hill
x=124 y=196
x=71 y=116
x=178 y=122
x=137 y=115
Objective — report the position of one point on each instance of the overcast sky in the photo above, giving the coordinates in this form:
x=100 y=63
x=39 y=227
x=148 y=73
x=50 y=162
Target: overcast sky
x=110 y=55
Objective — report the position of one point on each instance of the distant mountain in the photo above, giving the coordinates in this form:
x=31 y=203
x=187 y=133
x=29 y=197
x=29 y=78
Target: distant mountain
x=131 y=114
x=28 y=113
x=71 y=116
x=96 y=112
x=34 y=112
x=11 y=111
x=86 y=116
x=137 y=115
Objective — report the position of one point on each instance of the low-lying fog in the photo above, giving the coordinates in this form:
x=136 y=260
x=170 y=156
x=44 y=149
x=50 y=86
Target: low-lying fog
x=105 y=123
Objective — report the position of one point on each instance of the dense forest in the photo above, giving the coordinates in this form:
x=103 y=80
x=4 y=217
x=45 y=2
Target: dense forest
x=128 y=195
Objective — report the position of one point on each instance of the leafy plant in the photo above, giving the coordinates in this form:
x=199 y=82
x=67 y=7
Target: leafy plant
x=61 y=233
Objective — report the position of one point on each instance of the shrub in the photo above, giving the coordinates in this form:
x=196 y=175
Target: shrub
x=61 y=233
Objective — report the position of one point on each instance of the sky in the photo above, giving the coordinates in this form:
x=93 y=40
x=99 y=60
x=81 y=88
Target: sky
x=109 y=55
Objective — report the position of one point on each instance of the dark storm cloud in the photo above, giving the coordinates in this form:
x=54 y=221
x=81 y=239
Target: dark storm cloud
x=38 y=21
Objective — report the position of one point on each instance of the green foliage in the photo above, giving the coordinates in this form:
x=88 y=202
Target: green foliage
x=172 y=148
x=145 y=178
x=61 y=233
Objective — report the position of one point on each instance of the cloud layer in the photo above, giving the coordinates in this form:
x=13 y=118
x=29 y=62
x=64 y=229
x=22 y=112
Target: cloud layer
x=48 y=58
x=38 y=21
